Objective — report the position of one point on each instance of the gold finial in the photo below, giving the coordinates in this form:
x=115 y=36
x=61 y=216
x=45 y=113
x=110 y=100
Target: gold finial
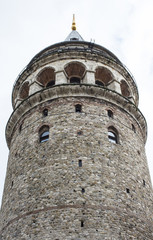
x=73 y=23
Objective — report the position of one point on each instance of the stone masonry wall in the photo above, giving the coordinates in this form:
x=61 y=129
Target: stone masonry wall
x=47 y=195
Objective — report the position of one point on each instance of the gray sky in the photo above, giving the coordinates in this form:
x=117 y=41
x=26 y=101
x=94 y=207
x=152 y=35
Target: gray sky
x=125 y=27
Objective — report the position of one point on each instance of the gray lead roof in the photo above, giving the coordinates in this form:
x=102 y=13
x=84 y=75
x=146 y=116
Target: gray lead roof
x=74 y=36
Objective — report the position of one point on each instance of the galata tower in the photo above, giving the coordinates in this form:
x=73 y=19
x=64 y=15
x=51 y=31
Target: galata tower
x=77 y=167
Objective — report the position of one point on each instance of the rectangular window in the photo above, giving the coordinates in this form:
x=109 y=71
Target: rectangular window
x=82 y=223
x=78 y=108
x=80 y=163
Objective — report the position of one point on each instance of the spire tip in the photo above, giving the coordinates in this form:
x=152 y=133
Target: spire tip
x=73 y=23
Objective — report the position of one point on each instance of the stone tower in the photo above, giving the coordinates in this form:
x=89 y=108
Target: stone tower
x=77 y=167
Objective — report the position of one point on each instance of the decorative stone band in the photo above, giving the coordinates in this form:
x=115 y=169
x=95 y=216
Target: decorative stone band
x=75 y=90
x=117 y=211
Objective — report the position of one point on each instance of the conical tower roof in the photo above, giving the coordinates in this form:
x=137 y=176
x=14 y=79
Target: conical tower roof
x=74 y=35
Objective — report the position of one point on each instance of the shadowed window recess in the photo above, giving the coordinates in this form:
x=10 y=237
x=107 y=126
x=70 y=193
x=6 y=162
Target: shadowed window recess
x=24 y=90
x=44 y=134
x=47 y=77
x=103 y=76
x=113 y=136
x=110 y=114
x=75 y=72
x=78 y=108
x=125 y=90
x=45 y=112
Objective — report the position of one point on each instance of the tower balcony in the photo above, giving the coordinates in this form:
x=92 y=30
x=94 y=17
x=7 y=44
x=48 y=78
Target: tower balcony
x=76 y=63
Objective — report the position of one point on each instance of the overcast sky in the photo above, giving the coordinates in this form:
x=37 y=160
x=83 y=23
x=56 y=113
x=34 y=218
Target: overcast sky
x=125 y=27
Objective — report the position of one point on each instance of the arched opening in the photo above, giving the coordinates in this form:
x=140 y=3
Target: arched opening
x=44 y=134
x=46 y=77
x=78 y=108
x=75 y=72
x=74 y=39
x=82 y=223
x=24 y=91
x=103 y=76
x=100 y=83
x=75 y=80
x=45 y=112
x=125 y=90
x=51 y=83
x=110 y=113
x=80 y=163
x=113 y=136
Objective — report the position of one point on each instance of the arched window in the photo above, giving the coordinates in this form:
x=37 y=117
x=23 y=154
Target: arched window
x=74 y=39
x=75 y=80
x=45 y=112
x=100 y=83
x=75 y=72
x=47 y=77
x=51 y=83
x=24 y=91
x=125 y=90
x=44 y=134
x=110 y=114
x=78 y=108
x=103 y=76
x=113 y=135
